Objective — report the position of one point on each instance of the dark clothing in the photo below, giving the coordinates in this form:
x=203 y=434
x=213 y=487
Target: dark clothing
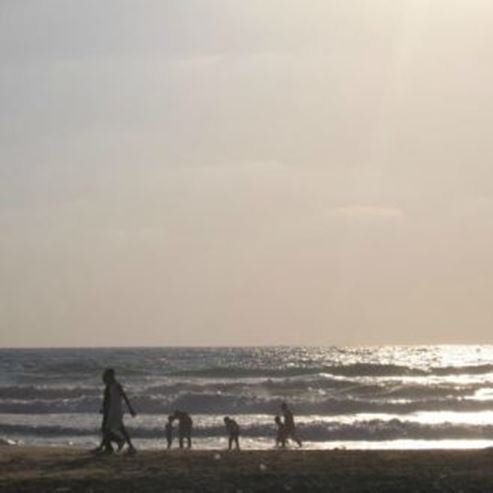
x=289 y=426
x=169 y=434
x=112 y=427
x=288 y=421
x=281 y=435
x=233 y=432
x=185 y=424
x=107 y=436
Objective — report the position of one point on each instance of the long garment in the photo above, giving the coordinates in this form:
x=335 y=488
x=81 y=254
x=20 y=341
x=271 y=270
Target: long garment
x=114 y=417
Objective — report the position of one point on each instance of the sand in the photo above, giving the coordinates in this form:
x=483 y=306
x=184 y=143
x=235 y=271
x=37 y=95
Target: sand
x=27 y=469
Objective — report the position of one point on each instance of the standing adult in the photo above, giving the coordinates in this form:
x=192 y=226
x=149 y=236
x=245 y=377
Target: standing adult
x=112 y=427
x=185 y=424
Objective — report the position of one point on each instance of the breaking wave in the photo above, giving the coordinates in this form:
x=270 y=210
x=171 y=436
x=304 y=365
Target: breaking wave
x=315 y=431
x=317 y=382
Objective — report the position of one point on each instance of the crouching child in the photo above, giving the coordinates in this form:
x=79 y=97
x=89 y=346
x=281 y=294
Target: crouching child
x=233 y=431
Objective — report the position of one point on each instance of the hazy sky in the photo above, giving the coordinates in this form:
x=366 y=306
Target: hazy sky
x=246 y=172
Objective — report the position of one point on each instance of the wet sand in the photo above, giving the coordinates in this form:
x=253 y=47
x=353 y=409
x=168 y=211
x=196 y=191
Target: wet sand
x=26 y=469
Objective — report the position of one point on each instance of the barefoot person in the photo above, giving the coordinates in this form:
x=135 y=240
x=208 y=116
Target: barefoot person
x=106 y=438
x=113 y=428
x=289 y=426
x=233 y=430
x=184 y=428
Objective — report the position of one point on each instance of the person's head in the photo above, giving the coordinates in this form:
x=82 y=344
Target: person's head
x=277 y=419
x=108 y=375
x=284 y=406
x=227 y=419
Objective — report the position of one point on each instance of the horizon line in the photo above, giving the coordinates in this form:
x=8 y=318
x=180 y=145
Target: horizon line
x=250 y=346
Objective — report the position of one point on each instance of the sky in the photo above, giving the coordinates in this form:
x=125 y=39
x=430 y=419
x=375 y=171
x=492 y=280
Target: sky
x=231 y=172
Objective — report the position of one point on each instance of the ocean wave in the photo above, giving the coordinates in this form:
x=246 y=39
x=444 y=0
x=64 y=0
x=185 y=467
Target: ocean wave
x=287 y=388
x=48 y=406
x=231 y=372
x=219 y=403
x=86 y=374
x=462 y=370
x=26 y=392
x=314 y=431
x=348 y=370
x=357 y=369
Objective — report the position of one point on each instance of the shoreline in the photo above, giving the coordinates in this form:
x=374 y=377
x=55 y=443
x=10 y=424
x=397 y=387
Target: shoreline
x=66 y=470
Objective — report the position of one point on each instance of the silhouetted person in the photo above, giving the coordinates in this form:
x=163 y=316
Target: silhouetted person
x=233 y=432
x=289 y=426
x=112 y=427
x=107 y=435
x=168 y=429
x=281 y=433
x=184 y=428
x=106 y=439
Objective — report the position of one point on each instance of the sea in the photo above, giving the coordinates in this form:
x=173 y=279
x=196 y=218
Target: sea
x=385 y=397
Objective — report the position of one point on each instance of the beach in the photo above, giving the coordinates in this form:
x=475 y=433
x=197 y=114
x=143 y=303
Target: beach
x=383 y=419
x=66 y=470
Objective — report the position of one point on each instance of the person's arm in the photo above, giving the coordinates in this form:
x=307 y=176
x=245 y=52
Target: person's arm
x=127 y=402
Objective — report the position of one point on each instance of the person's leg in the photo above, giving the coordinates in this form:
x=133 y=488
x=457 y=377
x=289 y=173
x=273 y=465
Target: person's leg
x=237 y=441
x=180 y=439
x=293 y=436
x=106 y=446
x=296 y=439
x=101 y=445
x=230 y=442
x=119 y=439
x=283 y=440
x=189 y=439
x=126 y=436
